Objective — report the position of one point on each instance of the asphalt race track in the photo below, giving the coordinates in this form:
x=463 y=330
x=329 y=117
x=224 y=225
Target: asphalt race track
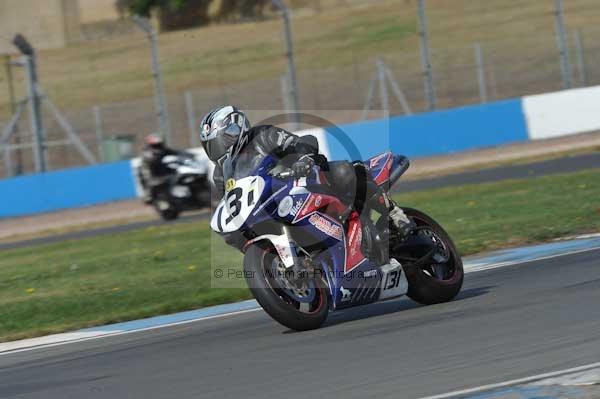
x=549 y=167
x=508 y=323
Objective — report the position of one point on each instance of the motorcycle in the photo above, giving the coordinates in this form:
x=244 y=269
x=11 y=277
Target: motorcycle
x=306 y=253
x=187 y=189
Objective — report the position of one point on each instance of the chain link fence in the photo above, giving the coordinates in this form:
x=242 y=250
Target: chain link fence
x=469 y=73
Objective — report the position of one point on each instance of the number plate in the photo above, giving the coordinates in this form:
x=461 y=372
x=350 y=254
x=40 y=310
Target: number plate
x=238 y=203
x=394 y=281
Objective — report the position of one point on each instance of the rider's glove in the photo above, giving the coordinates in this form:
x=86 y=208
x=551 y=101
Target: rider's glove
x=303 y=166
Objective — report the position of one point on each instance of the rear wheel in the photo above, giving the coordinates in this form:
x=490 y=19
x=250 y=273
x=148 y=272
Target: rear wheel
x=297 y=303
x=441 y=279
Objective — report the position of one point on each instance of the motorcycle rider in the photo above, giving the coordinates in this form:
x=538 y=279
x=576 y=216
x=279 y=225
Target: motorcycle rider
x=227 y=130
x=153 y=172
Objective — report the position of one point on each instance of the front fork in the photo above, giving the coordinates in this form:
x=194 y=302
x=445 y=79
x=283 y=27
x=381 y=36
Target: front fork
x=288 y=251
x=283 y=244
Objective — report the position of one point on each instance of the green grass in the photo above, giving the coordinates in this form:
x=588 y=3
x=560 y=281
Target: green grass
x=497 y=215
x=59 y=287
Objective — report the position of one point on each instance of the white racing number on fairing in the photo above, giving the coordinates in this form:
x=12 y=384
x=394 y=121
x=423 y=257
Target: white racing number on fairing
x=237 y=204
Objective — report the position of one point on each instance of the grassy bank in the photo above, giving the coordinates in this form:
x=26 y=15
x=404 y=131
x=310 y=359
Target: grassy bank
x=117 y=69
x=158 y=270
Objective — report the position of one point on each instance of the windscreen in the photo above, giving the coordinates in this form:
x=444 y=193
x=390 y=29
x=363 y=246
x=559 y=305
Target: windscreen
x=243 y=165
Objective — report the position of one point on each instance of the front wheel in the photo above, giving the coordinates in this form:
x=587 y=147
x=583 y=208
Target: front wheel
x=441 y=280
x=165 y=209
x=300 y=304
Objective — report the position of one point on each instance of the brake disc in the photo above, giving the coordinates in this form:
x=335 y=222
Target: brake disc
x=298 y=288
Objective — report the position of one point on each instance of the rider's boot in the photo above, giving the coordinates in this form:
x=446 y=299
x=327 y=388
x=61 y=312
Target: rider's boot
x=399 y=219
x=379 y=201
x=402 y=223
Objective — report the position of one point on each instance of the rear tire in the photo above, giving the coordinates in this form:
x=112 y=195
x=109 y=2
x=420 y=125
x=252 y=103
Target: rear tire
x=274 y=301
x=425 y=288
x=169 y=215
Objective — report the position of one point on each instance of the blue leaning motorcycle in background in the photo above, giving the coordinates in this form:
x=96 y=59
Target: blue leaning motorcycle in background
x=307 y=253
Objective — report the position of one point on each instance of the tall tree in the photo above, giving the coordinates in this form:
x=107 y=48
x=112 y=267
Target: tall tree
x=173 y=14
x=145 y=7
x=244 y=9
x=179 y=14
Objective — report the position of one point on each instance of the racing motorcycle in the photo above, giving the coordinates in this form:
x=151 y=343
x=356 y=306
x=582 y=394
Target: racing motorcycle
x=187 y=189
x=307 y=253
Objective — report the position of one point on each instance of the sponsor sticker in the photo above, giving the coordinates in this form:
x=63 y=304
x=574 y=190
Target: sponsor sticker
x=354 y=239
x=370 y=273
x=318 y=201
x=229 y=185
x=285 y=206
x=345 y=294
x=296 y=208
x=375 y=161
x=326 y=226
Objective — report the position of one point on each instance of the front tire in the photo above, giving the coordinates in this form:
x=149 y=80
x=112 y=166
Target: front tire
x=435 y=283
x=281 y=306
x=165 y=209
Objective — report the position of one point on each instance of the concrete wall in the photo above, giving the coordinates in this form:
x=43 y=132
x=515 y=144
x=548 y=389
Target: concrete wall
x=562 y=113
x=46 y=23
x=432 y=133
x=70 y=188
x=92 y=11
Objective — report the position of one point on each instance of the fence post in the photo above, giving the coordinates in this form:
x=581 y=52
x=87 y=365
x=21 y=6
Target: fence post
x=161 y=107
x=383 y=93
x=289 y=42
x=581 y=58
x=561 y=37
x=426 y=57
x=13 y=109
x=99 y=132
x=285 y=94
x=35 y=115
x=8 y=161
x=483 y=96
x=191 y=116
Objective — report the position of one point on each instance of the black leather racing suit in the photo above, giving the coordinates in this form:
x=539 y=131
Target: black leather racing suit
x=286 y=147
x=153 y=172
x=351 y=182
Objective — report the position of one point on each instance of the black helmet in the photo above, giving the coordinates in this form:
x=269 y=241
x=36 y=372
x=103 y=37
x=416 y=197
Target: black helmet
x=154 y=141
x=221 y=129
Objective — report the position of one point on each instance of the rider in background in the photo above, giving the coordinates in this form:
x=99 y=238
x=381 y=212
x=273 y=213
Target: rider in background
x=227 y=130
x=153 y=172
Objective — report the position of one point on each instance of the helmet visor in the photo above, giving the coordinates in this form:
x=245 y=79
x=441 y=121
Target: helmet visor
x=216 y=148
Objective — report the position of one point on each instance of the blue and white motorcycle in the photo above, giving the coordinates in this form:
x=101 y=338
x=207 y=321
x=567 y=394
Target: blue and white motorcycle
x=306 y=253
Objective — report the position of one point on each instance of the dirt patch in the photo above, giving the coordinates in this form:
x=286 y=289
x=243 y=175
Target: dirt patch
x=508 y=154
x=72 y=219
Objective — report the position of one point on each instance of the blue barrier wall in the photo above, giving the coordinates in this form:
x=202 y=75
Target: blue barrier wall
x=425 y=134
x=433 y=133
x=70 y=188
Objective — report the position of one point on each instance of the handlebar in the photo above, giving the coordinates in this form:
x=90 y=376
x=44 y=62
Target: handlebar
x=287 y=174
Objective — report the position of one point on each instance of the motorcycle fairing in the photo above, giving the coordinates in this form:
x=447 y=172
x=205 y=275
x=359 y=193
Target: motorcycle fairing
x=282 y=244
x=353 y=279
x=236 y=207
x=381 y=167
